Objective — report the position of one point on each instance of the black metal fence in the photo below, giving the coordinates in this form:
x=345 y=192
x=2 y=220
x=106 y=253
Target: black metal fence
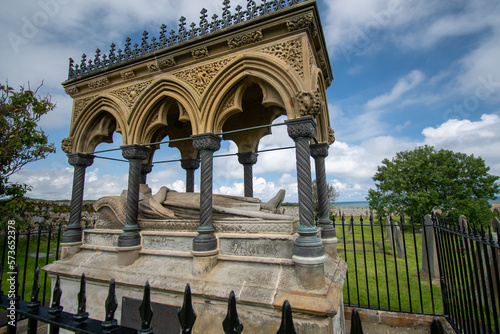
x=469 y=260
x=81 y=323
x=390 y=269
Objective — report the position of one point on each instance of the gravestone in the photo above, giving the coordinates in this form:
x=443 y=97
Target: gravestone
x=430 y=265
x=393 y=233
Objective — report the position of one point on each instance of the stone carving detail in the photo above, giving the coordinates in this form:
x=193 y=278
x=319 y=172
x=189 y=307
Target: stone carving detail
x=208 y=142
x=331 y=136
x=190 y=163
x=166 y=63
x=72 y=91
x=229 y=102
x=80 y=105
x=200 y=53
x=126 y=75
x=67 y=145
x=99 y=83
x=298 y=128
x=305 y=21
x=312 y=61
x=153 y=67
x=309 y=103
x=289 y=52
x=248 y=38
x=130 y=94
x=201 y=76
x=79 y=159
x=319 y=150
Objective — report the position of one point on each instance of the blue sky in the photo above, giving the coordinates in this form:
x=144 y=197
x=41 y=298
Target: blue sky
x=407 y=73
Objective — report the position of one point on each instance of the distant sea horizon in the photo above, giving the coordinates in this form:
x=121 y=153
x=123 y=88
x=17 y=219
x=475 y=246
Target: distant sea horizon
x=365 y=204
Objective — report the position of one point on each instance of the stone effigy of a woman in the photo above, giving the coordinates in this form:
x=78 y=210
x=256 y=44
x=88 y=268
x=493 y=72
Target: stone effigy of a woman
x=170 y=204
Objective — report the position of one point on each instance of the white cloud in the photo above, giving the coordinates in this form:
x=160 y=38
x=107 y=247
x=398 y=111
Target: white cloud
x=403 y=86
x=472 y=137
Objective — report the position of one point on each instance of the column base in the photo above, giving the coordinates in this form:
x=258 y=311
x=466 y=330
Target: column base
x=128 y=255
x=129 y=240
x=310 y=272
x=205 y=242
x=330 y=246
x=204 y=262
x=69 y=249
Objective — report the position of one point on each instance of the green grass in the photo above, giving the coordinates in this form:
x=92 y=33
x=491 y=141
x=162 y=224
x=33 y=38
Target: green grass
x=399 y=287
x=28 y=276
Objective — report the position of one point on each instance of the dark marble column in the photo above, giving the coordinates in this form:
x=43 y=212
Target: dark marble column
x=248 y=159
x=206 y=144
x=74 y=230
x=134 y=154
x=145 y=170
x=190 y=165
x=319 y=152
x=308 y=244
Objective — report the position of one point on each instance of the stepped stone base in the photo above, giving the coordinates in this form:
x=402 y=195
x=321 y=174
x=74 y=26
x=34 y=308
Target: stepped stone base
x=258 y=267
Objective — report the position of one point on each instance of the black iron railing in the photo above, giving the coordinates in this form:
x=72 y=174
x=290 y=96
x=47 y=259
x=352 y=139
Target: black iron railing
x=81 y=323
x=469 y=259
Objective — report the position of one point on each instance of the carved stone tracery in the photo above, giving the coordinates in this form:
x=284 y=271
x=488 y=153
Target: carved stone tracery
x=290 y=52
x=130 y=94
x=80 y=105
x=166 y=63
x=201 y=76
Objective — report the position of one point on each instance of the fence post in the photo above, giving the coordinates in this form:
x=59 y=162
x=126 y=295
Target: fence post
x=34 y=304
x=146 y=311
x=232 y=325
x=110 y=307
x=286 y=320
x=356 y=327
x=186 y=314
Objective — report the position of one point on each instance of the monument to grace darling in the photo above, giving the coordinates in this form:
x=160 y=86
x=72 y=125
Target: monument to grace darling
x=198 y=86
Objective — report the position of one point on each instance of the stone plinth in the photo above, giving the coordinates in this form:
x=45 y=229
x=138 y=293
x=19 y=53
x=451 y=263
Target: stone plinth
x=258 y=267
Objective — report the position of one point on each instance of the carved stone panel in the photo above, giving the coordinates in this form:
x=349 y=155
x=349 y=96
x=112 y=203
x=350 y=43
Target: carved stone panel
x=72 y=91
x=200 y=53
x=130 y=94
x=99 y=83
x=80 y=105
x=248 y=38
x=166 y=63
x=126 y=75
x=301 y=22
x=201 y=76
x=290 y=52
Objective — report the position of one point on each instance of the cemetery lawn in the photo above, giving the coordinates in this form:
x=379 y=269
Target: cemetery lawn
x=29 y=261
x=385 y=281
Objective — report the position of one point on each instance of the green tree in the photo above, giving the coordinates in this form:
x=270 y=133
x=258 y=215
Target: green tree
x=416 y=182
x=333 y=194
x=21 y=141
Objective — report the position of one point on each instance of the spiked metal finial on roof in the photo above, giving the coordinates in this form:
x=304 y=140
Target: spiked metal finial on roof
x=227 y=20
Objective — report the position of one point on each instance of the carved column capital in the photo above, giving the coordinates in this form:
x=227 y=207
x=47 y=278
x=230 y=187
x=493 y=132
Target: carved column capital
x=206 y=141
x=247 y=158
x=301 y=127
x=80 y=159
x=190 y=164
x=319 y=150
x=135 y=152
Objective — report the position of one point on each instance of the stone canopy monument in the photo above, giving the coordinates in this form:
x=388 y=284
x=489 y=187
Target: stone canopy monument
x=225 y=78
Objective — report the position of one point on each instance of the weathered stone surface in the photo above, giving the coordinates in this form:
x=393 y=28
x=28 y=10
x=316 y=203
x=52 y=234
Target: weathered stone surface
x=429 y=252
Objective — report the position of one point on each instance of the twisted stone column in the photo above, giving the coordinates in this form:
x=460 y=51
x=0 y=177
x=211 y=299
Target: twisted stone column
x=74 y=230
x=134 y=154
x=319 y=152
x=190 y=165
x=248 y=159
x=145 y=170
x=308 y=251
x=206 y=144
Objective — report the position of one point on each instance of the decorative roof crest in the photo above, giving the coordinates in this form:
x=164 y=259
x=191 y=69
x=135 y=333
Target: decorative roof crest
x=183 y=34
